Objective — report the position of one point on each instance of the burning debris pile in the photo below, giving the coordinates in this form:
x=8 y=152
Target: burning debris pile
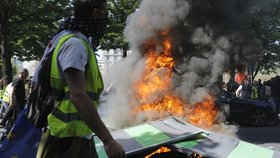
x=180 y=50
x=155 y=93
x=165 y=152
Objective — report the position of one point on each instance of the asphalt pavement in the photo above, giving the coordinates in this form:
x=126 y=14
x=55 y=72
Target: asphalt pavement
x=268 y=136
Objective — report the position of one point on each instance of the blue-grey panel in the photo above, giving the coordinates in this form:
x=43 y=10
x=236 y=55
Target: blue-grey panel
x=217 y=145
x=128 y=143
x=276 y=154
x=174 y=127
x=213 y=146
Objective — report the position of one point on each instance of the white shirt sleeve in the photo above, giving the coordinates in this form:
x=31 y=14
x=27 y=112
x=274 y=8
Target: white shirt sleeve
x=73 y=54
x=238 y=91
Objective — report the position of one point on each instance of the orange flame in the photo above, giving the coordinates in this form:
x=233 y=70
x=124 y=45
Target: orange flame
x=204 y=114
x=160 y=150
x=166 y=150
x=157 y=74
x=169 y=105
x=154 y=91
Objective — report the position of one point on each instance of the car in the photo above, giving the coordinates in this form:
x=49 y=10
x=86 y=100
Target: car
x=244 y=110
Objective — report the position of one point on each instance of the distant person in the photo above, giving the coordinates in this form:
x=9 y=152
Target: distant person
x=254 y=91
x=274 y=84
x=3 y=85
x=16 y=101
x=244 y=90
x=260 y=85
x=268 y=92
x=28 y=86
x=3 y=99
x=263 y=96
x=240 y=77
x=6 y=102
x=18 y=93
x=232 y=86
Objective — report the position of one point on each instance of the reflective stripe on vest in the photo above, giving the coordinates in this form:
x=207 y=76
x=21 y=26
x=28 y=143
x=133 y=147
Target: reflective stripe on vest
x=65 y=121
x=6 y=96
x=66 y=95
x=66 y=118
x=1 y=93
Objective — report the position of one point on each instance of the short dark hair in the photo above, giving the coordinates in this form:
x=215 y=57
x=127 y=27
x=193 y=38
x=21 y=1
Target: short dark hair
x=83 y=8
x=24 y=70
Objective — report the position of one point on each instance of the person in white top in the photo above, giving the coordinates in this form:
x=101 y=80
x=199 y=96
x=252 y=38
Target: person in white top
x=244 y=90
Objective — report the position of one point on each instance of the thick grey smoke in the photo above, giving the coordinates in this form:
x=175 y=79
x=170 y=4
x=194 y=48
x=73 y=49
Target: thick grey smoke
x=208 y=37
x=116 y=103
x=153 y=17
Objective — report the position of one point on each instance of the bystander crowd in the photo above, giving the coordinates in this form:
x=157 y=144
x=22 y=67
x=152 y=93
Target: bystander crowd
x=16 y=103
x=4 y=97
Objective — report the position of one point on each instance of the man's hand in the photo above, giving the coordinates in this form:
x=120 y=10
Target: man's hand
x=114 y=150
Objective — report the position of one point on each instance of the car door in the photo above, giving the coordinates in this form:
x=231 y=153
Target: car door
x=239 y=109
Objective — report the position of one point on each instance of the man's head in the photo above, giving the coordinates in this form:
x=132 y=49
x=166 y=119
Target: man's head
x=4 y=80
x=90 y=9
x=23 y=74
x=246 y=81
x=90 y=18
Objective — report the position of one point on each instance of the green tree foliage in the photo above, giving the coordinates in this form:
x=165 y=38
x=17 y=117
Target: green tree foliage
x=264 y=18
x=14 y=70
x=31 y=23
x=26 y=26
x=1 y=67
x=118 y=12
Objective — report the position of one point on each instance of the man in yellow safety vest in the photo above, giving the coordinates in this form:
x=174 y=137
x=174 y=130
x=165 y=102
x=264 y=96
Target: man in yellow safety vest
x=74 y=70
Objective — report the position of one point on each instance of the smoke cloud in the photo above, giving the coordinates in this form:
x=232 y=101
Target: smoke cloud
x=208 y=38
x=30 y=66
x=153 y=17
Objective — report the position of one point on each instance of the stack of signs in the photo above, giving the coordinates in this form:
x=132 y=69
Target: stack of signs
x=183 y=137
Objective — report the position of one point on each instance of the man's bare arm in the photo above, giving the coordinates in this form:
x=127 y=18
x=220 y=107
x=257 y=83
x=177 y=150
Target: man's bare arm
x=76 y=82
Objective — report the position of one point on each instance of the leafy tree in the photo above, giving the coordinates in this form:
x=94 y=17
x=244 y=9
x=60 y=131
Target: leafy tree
x=14 y=70
x=1 y=67
x=118 y=12
x=25 y=28
x=264 y=18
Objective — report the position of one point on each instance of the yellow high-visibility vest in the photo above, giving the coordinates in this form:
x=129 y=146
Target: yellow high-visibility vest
x=65 y=121
x=7 y=93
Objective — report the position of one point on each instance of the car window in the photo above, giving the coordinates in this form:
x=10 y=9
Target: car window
x=225 y=94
